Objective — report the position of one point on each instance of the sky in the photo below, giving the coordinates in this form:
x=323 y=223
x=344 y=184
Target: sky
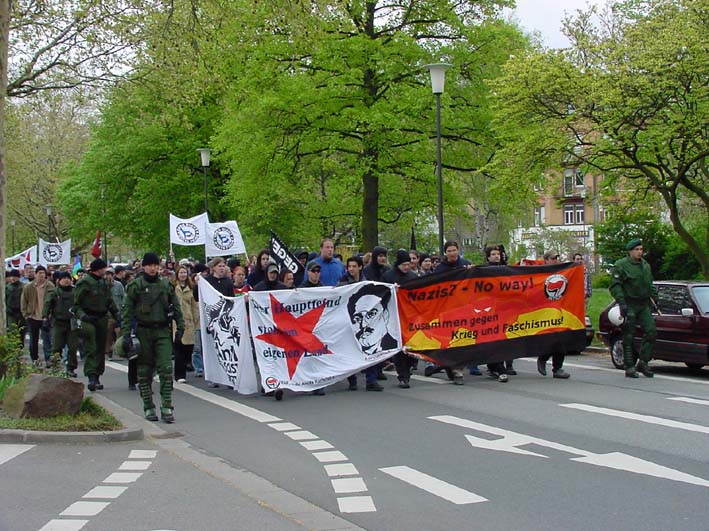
x=545 y=16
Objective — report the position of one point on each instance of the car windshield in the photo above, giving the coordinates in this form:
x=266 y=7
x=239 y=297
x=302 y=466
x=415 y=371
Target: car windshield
x=701 y=294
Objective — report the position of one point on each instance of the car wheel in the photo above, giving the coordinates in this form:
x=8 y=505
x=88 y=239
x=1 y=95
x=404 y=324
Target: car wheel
x=694 y=366
x=616 y=352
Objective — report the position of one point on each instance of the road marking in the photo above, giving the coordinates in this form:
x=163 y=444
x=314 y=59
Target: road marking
x=329 y=457
x=106 y=493
x=690 y=400
x=341 y=469
x=433 y=485
x=641 y=418
x=142 y=454
x=356 y=504
x=348 y=485
x=511 y=441
x=302 y=435
x=10 y=451
x=236 y=407
x=64 y=525
x=134 y=465
x=284 y=426
x=316 y=445
x=123 y=477
x=84 y=508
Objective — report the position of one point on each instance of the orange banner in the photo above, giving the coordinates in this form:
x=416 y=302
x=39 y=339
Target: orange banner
x=493 y=313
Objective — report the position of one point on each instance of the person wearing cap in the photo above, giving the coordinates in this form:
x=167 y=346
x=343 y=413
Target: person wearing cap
x=400 y=273
x=332 y=269
x=58 y=307
x=313 y=272
x=632 y=288
x=151 y=302
x=92 y=305
x=271 y=281
x=13 y=301
x=32 y=303
x=557 y=358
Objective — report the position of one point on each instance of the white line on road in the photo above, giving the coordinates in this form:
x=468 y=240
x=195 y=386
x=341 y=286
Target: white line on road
x=433 y=485
x=134 y=465
x=690 y=400
x=64 y=525
x=84 y=508
x=341 y=469
x=142 y=454
x=641 y=418
x=330 y=457
x=105 y=493
x=10 y=451
x=302 y=435
x=316 y=445
x=284 y=426
x=348 y=485
x=356 y=504
x=123 y=477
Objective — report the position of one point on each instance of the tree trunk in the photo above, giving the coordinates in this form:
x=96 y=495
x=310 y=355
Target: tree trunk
x=370 y=210
x=4 y=39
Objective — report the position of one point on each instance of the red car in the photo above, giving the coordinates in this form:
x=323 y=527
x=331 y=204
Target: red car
x=682 y=321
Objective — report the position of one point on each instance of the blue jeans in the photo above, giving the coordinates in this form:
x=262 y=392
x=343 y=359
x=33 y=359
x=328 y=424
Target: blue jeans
x=197 y=360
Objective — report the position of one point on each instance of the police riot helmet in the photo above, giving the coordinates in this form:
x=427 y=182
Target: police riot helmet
x=615 y=317
x=135 y=349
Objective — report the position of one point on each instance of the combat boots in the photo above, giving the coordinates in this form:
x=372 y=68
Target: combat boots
x=644 y=369
x=167 y=415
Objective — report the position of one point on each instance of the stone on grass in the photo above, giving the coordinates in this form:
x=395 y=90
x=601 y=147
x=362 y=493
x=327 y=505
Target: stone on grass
x=43 y=396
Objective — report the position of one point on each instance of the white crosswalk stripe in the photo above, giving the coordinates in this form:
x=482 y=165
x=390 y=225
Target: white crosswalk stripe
x=10 y=451
x=433 y=485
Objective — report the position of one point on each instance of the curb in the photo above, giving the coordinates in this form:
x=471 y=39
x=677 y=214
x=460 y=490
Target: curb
x=131 y=433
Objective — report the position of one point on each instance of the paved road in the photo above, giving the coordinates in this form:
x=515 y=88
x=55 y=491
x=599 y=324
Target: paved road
x=597 y=451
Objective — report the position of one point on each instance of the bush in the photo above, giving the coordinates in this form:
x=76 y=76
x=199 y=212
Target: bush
x=11 y=363
x=601 y=281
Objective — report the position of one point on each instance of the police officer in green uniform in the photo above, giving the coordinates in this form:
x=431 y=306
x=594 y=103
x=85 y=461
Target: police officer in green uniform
x=58 y=306
x=632 y=288
x=13 y=301
x=151 y=302
x=92 y=304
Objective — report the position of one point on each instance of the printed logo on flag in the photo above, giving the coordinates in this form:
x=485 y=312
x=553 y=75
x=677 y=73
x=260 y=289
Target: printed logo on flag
x=52 y=252
x=187 y=232
x=555 y=287
x=368 y=309
x=272 y=382
x=223 y=327
x=223 y=238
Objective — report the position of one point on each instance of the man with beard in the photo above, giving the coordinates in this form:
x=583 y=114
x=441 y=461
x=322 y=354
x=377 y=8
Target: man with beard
x=153 y=304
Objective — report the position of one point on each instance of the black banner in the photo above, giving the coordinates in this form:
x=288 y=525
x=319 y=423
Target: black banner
x=284 y=258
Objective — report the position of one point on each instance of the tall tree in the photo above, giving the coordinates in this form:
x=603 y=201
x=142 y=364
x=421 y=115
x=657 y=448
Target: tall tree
x=629 y=99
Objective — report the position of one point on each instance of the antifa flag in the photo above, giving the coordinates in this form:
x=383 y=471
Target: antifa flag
x=96 y=248
x=285 y=259
x=493 y=313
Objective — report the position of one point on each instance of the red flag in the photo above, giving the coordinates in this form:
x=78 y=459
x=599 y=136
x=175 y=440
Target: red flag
x=96 y=249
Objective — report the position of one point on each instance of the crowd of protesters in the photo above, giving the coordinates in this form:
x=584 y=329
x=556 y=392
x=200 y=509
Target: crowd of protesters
x=41 y=303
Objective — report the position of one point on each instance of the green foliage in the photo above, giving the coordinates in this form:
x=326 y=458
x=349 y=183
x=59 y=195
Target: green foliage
x=11 y=355
x=600 y=298
x=601 y=281
x=91 y=417
x=629 y=100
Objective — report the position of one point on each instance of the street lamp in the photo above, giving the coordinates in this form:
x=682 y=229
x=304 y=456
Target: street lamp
x=12 y=226
x=205 y=153
x=48 y=210
x=438 y=79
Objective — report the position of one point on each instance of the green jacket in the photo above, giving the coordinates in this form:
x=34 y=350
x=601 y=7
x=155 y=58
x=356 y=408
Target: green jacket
x=632 y=281
x=92 y=296
x=151 y=304
x=59 y=304
x=13 y=298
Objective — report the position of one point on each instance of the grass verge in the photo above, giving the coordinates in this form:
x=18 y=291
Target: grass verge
x=91 y=417
x=600 y=298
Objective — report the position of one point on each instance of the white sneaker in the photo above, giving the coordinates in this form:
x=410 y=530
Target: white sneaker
x=502 y=378
x=181 y=380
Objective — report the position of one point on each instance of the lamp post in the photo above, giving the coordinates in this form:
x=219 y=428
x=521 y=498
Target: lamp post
x=12 y=227
x=205 y=153
x=438 y=79
x=48 y=210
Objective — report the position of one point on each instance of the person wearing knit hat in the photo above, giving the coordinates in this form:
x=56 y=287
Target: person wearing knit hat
x=93 y=303
x=633 y=290
x=58 y=307
x=152 y=304
x=13 y=301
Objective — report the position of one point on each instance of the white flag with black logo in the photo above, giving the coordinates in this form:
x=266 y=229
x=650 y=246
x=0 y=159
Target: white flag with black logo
x=224 y=239
x=190 y=231
x=54 y=253
x=226 y=343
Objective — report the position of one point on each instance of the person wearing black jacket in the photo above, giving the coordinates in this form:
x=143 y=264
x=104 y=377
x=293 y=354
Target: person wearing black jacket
x=271 y=281
x=400 y=273
x=378 y=266
x=219 y=278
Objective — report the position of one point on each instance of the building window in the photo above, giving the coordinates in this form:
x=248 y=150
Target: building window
x=569 y=182
x=568 y=214
x=574 y=214
x=579 y=210
x=539 y=216
x=579 y=178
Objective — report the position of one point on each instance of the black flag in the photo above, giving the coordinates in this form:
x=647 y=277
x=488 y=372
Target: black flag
x=413 y=239
x=285 y=259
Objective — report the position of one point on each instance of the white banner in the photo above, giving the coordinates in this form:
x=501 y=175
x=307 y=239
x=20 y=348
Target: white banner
x=308 y=338
x=224 y=239
x=54 y=253
x=190 y=231
x=28 y=256
x=226 y=344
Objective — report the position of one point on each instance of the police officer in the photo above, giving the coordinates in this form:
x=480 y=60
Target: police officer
x=632 y=288
x=13 y=301
x=58 y=306
x=92 y=304
x=152 y=303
